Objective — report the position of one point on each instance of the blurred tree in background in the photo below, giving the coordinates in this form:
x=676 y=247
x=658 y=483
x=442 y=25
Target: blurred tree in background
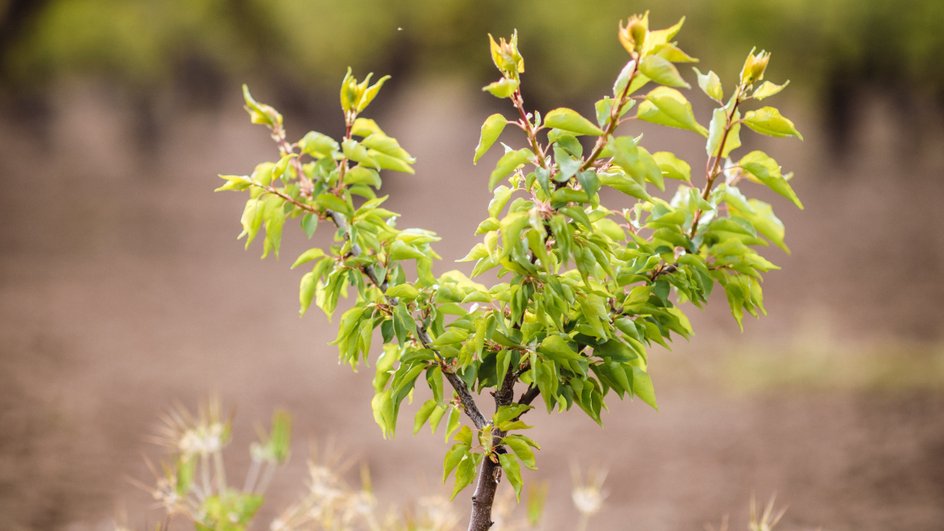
x=841 y=50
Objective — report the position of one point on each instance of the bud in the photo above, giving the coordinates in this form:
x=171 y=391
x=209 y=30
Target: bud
x=349 y=91
x=357 y=96
x=506 y=56
x=754 y=66
x=633 y=35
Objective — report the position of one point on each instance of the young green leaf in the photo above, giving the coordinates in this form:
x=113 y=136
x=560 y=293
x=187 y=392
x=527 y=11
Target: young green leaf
x=506 y=165
x=768 y=89
x=309 y=255
x=642 y=387
x=762 y=168
x=318 y=145
x=236 y=183
x=491 y=130
x=732 y=141
x=636 y=161
x=571 y=121
x=370 y=93
x=673 y=167
x=465 y=473
x=521 y=449
x=306 y=291
x=503 y=88
x=667 y=106
x=768 y=121
x=662 y=71
x=710 y=84
x=403 y=291
x=512 y=469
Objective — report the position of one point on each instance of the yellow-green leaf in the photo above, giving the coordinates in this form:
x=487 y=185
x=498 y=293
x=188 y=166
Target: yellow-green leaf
x=491 y=130
x=571 y=121
x=662 y=71
x=768 y=121
x=667 y=106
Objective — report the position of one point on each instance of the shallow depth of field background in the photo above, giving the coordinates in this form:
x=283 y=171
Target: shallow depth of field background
x=124 y=291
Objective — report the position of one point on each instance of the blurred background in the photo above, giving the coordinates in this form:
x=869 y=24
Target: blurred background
x=123 y=290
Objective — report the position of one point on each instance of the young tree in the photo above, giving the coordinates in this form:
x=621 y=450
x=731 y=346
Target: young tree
x=583 y=289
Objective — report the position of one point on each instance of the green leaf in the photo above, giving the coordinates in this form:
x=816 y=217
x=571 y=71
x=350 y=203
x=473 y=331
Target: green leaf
x=491 y=130
x=719 y=119
x=506 y=165
x=452 y=423
x=260 y=113
x=571 y=121
x=318 y=145
x=306 y=291
x=362 y=175
x=667 y=106
x=502 y=88
x=403 y=291
x=604 y=109
x=642 y=387
x=308 y=256
x=624 y=183
x=506 y=413
x=673 y=167
x=386 y=162
x=768 y=89
x=388 y=146
x=623 y=78
x=513 y=471
x=333 y=203
x=556 y=348
x=356 y=152
x=521 y=449
x=234 y=183
x=636 y=161
x=382 y=407
x=500 y=197
x=763 y=168
x=762 y=217
x=309 y=224
x=401 y=251
x=251 y=220
x=710 y=84
x=364 y=127
x=465 y=473
x=768 y=121
x=370 y=93
x=662 y=71
x=589 y=182
x=454 y=456
x=422 y=415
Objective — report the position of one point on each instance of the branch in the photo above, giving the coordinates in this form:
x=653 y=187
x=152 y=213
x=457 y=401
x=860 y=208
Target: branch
x=529 y=395
x=613 y=120
x=712 y=167
x=469 y=406
x=518 y=101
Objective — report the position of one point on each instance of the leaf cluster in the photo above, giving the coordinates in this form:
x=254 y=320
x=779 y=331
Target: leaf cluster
x=582 y=288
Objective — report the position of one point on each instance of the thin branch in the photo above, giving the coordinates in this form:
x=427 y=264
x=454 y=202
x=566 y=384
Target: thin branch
x=612 y=121
x=469 y=407
x=525 y=124
x=529 y=395
x=712 y=166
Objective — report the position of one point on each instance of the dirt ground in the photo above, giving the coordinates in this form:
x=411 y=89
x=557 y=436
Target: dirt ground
x=123 y=290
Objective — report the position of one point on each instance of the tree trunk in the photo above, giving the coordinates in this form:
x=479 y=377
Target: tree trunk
x=484 y=496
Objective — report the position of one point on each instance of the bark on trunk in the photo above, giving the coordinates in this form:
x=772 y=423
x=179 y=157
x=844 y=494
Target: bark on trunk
x=484 y=496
